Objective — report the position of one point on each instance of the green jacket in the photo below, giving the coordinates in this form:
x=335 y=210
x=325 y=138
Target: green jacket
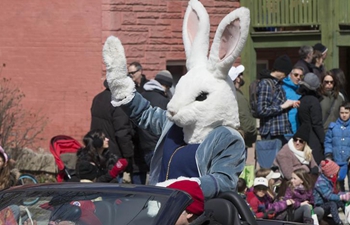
x=247 y=121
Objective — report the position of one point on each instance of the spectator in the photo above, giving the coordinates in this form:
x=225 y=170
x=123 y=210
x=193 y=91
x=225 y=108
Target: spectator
x=326 y=194
x=309 y=114
x=296 y=154
x=305 y=54
x=300 y=190
x=273 y=179
x=77 y=212
x=136 y=73
x=8 y=177
x=247 y=121
x=272 y=105
x=317 y=64
x=92 y=158
x=242 y=186
x=337 y=143
x=290 y=86
x=331 y=99
x=322 y=49
x=156 y=92
x=261 y=204
x=114 y=123
x=339 y=74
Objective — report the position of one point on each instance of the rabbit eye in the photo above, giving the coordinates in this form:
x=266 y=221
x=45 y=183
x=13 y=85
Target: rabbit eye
x=202 y=96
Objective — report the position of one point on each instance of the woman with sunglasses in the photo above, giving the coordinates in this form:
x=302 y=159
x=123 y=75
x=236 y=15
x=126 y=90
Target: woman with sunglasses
x=331 y=99
x=296 y=154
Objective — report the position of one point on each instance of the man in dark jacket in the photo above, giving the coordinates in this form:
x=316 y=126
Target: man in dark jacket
x=247 y=121
x=136 y=73
x=114 y=123
x=156 y=93
x=306 y=55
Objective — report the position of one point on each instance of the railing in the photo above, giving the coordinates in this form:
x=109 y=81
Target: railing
x=285 y=13
x=343 y=11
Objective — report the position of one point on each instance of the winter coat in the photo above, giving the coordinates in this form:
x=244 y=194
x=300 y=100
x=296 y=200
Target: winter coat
x=261 y=205
x=290 y=89
x=318 y=70
x=330 y=111
x=247 y=121
x=101 y=166
x=305 y=65
x=309 y=113
x=155 y=94
x=323 y=191
x=140 y=89
x=288 y=162
x=337 y=141
x=220 y=157
x=299 y=195
x=114 y=123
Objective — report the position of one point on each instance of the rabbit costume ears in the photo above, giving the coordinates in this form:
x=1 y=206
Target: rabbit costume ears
x=229 y=39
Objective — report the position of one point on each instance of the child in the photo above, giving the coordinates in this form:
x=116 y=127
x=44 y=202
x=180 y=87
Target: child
x=273 y=179
x=242 y=187
x=325 y=192
x=261 y=204
x=337 y=142
x=300 y=190
x=8 y=177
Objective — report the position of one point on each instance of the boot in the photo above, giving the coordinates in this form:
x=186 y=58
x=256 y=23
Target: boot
x=308 y=220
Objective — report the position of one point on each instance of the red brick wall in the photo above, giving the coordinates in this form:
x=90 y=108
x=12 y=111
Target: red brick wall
x=52 y=49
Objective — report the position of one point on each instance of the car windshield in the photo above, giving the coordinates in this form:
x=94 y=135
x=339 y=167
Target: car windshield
x=91 y=206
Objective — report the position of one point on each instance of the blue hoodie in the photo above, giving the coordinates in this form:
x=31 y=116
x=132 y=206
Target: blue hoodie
x=290 y=89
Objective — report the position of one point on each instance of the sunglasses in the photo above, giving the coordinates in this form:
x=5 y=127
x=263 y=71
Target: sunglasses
x=132 y=73
x=298 y=75
x=328 y=81
x=298 y=140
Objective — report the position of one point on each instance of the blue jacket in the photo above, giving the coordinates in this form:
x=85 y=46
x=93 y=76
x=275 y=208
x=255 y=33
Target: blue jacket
x=337 y=140
x=323 y=191
x=290 y=89
x=220 y=157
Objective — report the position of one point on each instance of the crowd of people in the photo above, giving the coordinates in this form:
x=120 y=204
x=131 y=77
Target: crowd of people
x=305 y=107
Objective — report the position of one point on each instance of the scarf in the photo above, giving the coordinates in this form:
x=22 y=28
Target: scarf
x=299 y=154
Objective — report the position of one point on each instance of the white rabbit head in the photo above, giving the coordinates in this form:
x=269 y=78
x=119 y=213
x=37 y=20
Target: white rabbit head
x=205 y=97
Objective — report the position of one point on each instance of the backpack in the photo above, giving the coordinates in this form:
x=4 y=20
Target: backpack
x=253 y=95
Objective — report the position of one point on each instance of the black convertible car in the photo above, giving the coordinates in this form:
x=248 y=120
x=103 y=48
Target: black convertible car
x=113 y=204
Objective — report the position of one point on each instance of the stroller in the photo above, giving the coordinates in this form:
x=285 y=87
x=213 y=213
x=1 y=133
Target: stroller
x=64 y=149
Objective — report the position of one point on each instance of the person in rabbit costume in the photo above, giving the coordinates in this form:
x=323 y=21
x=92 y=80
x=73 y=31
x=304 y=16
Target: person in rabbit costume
x=198 y=136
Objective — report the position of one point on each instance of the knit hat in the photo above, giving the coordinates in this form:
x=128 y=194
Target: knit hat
x=329 y=168
x=2 y=152
x=195 y=191
x=283 y=64
x=261 y=181
x=235 y=71
x=321 y=48
x=303 y=132
x=311 y=81
x=88 y=210
x=164 y=77
x=86 y=170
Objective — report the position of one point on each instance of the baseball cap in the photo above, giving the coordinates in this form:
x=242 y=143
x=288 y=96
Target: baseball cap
x=261 y=181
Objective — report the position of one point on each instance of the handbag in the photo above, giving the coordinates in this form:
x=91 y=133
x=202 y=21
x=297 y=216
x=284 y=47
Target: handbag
x=266 y=151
